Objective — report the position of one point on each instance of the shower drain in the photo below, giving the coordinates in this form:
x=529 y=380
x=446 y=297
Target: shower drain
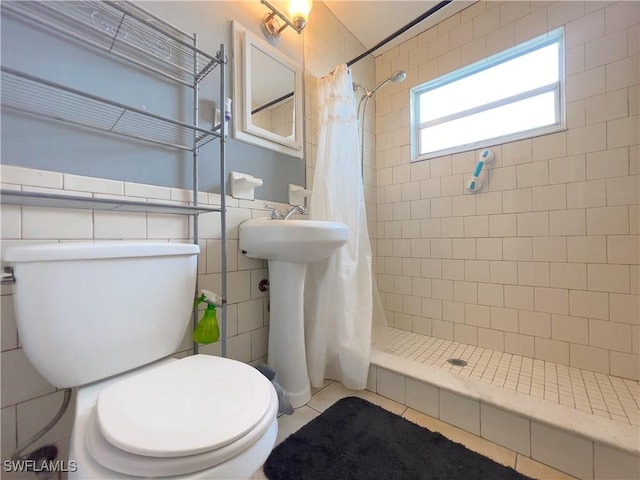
x=458 y=362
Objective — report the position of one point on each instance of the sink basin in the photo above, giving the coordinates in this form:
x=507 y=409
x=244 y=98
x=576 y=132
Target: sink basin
x=291 y=240
x=288 y=245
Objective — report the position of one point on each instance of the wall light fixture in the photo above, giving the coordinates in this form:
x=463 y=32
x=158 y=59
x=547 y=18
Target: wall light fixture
x=298 y=15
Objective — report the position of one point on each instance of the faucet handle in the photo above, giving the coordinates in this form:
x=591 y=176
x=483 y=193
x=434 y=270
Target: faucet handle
x=275 y=213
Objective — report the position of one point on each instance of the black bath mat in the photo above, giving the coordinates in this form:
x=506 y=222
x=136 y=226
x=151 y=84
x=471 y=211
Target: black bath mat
x=356 y=440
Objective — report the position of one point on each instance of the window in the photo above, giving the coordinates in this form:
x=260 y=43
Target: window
x=514 y=94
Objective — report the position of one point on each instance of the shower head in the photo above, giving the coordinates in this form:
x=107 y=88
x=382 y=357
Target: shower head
x=396 y=77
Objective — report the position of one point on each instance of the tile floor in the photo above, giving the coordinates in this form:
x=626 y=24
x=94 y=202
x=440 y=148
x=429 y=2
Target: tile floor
x=593 y=393
x=331 y=392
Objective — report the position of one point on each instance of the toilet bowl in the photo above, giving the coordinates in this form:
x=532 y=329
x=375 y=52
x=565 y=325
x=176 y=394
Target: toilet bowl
x=163 y=421
x=115 y=312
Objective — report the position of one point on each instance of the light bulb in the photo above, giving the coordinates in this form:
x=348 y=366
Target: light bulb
x=299 y=12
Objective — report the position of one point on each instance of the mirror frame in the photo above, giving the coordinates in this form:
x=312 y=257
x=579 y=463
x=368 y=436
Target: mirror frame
x=243 y=128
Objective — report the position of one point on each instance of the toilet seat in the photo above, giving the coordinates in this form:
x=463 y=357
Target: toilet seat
x=184 y=416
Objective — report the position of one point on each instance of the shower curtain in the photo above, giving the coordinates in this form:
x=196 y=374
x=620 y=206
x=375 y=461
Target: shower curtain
x=338 y=295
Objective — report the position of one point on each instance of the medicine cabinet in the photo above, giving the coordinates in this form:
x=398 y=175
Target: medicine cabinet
x=268 y=95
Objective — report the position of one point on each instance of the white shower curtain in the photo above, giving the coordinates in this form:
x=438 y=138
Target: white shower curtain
x=338 y=296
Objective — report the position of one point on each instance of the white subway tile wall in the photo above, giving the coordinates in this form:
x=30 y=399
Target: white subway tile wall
x=550 y=244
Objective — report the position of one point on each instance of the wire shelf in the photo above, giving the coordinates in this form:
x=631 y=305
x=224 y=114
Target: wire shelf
x=36 y=96
x=126 y=31
x=53 y=200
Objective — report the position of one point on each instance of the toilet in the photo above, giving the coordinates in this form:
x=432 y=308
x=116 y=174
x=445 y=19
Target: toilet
x=105 y=318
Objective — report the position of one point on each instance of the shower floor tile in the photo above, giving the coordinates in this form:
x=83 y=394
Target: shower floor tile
x=598 y=394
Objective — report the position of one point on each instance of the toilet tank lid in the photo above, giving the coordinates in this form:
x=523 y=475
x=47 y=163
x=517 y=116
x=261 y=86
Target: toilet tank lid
x=48 y=252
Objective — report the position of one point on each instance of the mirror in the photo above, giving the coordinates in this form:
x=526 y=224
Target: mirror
x=267 y=95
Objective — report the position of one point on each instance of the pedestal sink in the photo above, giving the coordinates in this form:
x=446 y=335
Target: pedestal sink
x=288 y=245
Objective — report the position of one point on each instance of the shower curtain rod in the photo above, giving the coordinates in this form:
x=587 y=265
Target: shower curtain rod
x=399 y=32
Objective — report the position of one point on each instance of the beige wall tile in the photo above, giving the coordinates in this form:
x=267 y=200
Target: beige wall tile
x=10 y=222
x=625 y=365
x=591 y=138
x=465 y=292
x=492 y=339
x=519 y=344
x=505 y=319
x=20 y=380
x=589 y=358
x=488 y=202
x=443 y=329
x=28 y=176
x=489 y=248
x=552 y=300
x=536 y=324
x=549 y=146
x=464 y=248
x=610 y=335
x=567 y=169
x=533 y=174
x=465 y=334
x=569 y=275
x=587 y=194
x=476 y=226
x=588 y=249
x=625 y=308
x=623 y=249
x=567 y=222
x=503 y=272
x=390 y=384
x=9 y=328
x=503 y=225
x=518 y=297
x=589 y=304
x=608 y=278
x=552 y=350
x=562 y=450
x=608 y=163
x=517 y=249
x=503 y=178
x=609 y=462
x=623 y=131
x=505 y=428
x=550 y=249
x=551 y=197
x=533 y=224
x=490 y=294
x=53 y=223
x=460 y=411
x=623 y=191
x=533 y=273
x=570 y=329
x=422 y=397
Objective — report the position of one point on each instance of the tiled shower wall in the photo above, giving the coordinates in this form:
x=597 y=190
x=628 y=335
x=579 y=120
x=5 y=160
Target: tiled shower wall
x=28 y=401
x=543 y=262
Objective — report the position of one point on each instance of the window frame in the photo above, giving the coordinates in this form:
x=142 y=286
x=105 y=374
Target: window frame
x=558 y=87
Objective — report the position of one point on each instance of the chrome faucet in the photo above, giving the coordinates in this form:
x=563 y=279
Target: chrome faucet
x=296 y=209
x=278 y=215
x=275 y=213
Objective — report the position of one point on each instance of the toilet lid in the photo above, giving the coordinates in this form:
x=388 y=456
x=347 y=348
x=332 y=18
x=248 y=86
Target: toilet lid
x=190 y=406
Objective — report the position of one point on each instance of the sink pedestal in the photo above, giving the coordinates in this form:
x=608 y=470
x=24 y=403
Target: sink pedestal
x=287 y=354
x=288 y=245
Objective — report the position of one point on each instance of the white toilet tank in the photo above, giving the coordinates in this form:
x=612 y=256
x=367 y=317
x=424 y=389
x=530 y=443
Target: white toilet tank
x=87 y=311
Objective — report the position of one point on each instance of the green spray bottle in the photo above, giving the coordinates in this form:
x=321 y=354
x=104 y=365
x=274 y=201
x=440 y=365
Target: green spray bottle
x=207 y=330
